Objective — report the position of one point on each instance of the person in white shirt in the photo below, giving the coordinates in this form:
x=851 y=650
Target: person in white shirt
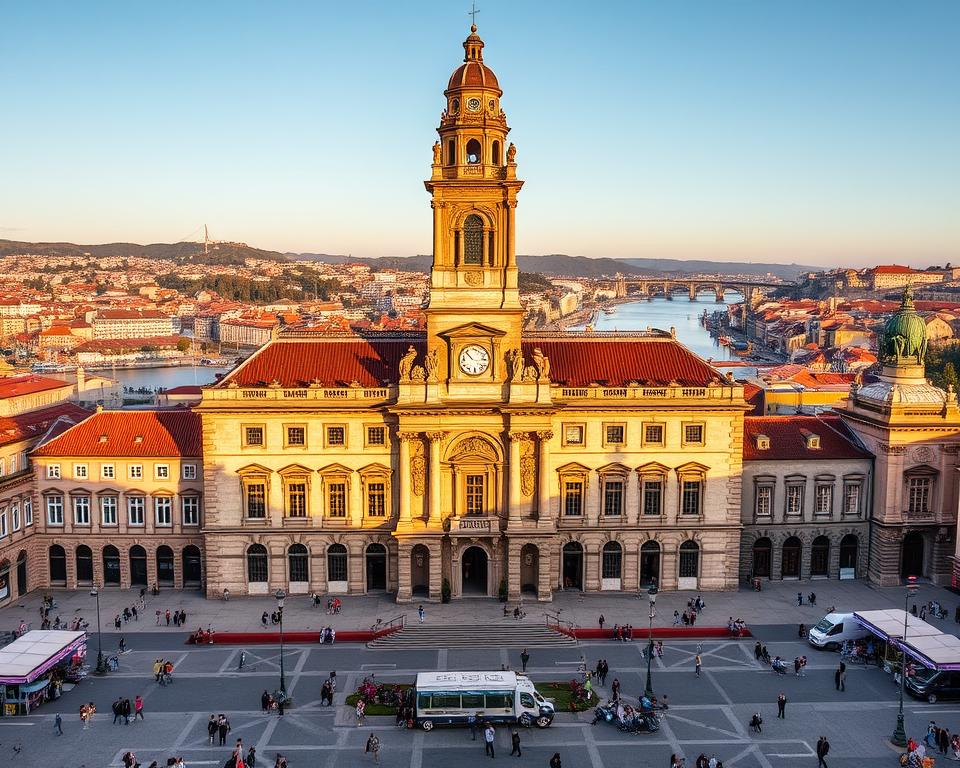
x=488 y=736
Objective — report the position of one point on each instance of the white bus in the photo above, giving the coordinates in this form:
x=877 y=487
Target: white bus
x=449 y=698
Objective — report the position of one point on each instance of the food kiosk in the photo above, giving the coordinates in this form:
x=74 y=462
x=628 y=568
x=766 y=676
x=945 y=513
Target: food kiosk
x=33 y=665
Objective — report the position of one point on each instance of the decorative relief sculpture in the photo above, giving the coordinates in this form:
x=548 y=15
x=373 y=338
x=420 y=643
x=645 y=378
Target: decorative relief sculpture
x=530 y=373
x=436 y=153
x=473 y=278
x=528 y=467
x=418 y=374
x=516 y=365
x=476 y=446
x=430 y=361
x=406 y=362
x=542 y=362
x=512 y=153
x=418 y=467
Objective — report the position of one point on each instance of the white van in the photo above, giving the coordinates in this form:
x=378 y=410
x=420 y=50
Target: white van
x=450 y=698
x=834 y=629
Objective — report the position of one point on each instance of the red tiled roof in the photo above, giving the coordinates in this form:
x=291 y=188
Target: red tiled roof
x=15 y=386
x=788 y=443
x=34 y=424
x=186 y=389
x=160 y=433
x=754 y=396
x=892 y=269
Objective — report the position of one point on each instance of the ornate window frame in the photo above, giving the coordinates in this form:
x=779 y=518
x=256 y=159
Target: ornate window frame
x=573 y=472
x=791 y=483
x=653 y=472
x=330 y=474
x=768 y=484
x=250 y=475
x=614 y=472
x=853 y=480
x=828 y=483
x=369 y=475
x=289 y=475
x=691 y=472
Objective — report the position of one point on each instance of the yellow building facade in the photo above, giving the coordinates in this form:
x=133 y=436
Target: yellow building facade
x=472 y=459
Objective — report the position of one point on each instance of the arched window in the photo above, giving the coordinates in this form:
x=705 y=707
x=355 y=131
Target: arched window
x=84 y=565
x=111 y=565
x=299 y=560
x=58 y=565
x=495 y=154
x=689 y=560
x=337 y=563
x=138 y=566
x=612 y=561
x=256 y=563
x=473 y=240
x=820 y=556
x=474 y=151
x=164 y=564
x=650 y=563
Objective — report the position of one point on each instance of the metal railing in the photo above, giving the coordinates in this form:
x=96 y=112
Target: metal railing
x=395 y=624
x=555 y=622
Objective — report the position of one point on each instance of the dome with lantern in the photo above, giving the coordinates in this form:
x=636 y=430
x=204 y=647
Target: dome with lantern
x=473 y=73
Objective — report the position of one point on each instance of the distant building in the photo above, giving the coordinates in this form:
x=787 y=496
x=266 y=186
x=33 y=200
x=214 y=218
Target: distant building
x=131 y=324
x=896 y=276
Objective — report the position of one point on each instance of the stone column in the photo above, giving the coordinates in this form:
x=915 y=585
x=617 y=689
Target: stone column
x=434 y=500
x=404 y=587
x=511 y=233
x=404 y=478
x=543 y=479
x=438 y=249
x=516 y=495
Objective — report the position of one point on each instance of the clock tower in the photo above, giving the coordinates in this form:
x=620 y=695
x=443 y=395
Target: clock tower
x=474 y=317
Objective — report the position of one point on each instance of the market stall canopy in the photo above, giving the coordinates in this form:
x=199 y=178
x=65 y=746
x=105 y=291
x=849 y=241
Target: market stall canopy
x=936 y=651
x=37 y=652
x=888 y=624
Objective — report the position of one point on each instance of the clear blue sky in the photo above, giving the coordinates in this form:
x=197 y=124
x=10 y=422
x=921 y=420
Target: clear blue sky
x=818 y=132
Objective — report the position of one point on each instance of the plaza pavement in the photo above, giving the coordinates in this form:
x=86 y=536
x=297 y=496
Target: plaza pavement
x=709 y=714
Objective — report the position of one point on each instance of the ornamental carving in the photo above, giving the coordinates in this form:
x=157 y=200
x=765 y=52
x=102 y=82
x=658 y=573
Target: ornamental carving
x=476 y=446
x=473 y=278
x=418 y=468
x=528 y=468
x=892 y=450
x=923 y=454
x=545 y=435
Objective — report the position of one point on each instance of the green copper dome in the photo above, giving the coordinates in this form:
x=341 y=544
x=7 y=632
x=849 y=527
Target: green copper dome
x=904 y=335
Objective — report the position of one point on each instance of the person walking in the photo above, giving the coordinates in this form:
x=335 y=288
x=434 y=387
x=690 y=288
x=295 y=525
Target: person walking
x=524 y=658
x=601 y=619
x=943 y=740
x=212 y=729
x=555 y=761
x=836 y=678
x=697 y=664
x=615 y=688
x=782 y=706
x=420 y=614
x=515 y=742
x=251 y=760
x=373 y=748
x=489 y=734
x=117 y=708
x=823 y=746
x=127 y=709
x=361 y=711
x=799 y=598
x=243 y=660
x=137 y=707
x=223 y=728
x=843 y=676
x=58 y=725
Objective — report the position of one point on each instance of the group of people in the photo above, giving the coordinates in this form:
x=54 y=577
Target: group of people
x=941 y=740
x=328 y=635
x=689 y=617
x=736 y=626
x=179 y=617
x=130 y=761
x=327 y=690
x=935 y=610
x=333 y=603
x=162 y=671
x=218 y=727
x=87 y=711
x=274 y=617
x=122 y=710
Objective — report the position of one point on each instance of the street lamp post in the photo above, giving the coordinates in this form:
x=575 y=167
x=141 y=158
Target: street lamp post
x=899 y=734
x=101 y=668
x=652 y=597
x=281 y=595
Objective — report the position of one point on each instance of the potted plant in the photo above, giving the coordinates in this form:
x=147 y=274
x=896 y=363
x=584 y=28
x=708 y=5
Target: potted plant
x=502 y=592
x=445 y=591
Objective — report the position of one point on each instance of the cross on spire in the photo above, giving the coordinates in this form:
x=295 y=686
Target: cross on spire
x=473 y=13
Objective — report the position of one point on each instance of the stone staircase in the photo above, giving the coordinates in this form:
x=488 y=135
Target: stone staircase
x=494 y=636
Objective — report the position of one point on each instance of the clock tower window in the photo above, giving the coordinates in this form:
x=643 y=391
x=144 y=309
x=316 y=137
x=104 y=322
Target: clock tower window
x=452 y=152
x=473 y=152
x=495 y=153
x=473 y=240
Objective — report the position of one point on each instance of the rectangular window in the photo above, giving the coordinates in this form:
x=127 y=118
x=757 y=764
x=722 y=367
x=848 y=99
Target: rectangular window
x=764 y=505
x=253 y=436
x=693 y=434
x=794 y=505
x=54 y=510
x=190 y=507
x=79 y=471
x=336 y=436
x=163 y=511
x=824 y=499
x=108 y=510
x=652 y=497
x=296 y=436
x=296 y=500
x=81 y=510
x=28 y=511
x=376 y=435
x=690 y=498
x=15 y=515
x=653 y=434
x=613 y=498
x=615 y=434
x=573 y=498
x=475 y=496
x=337 y=499
x=162 y=471
x=189 y=471
x=107 y=472
x=136 y=509
x=135 y=471
x=256 y=500
x=13 y=464
x=336 y=566
x=53 y=471
x=851 y=499
x=376 y=499
x=573 y=434
x=919 y=498
x=3 y=523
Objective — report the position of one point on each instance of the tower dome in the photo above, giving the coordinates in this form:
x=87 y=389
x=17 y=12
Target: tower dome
x=473 y=73
x=904 y=335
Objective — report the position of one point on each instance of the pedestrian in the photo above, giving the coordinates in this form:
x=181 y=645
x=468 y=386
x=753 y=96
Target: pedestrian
x=223 y=728
x=472 y=722
x=843 y=676
x=127 y=709
x=836 y=678
x=361 y=711
x=796 y=666
x=799 y=598
x=168 y=617
x=524 y=658
x=615 y=688
x=117 y=708
x=251 y=760
x=758 y=651
x=58 y=725
x=697 y=664
x=930 y=738
x=803 y=666
x=515 y=742
x=373 y=748
x=212 y=729
x=136 y=616
x=158 y=617
x=555 y=761
x=756 y=723
x=956 y=615
x=601 y=619
x=263 y=619
x=137 y=707
x=243 y=658
x=823 y=746
x=489 y=734
x=420 y=613
x=782 y=706
x=943 y=740
x=281 y=762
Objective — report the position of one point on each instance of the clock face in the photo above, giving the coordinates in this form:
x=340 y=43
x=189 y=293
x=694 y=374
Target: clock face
x=473 y=105
x=474 y=360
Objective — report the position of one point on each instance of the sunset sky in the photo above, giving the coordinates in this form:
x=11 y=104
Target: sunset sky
x=816 y=132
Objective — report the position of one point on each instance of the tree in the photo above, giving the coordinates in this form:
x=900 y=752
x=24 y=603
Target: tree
x=183 y=344
x=950 y=376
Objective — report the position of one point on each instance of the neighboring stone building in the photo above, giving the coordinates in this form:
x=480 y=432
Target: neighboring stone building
x=470 y=454
x=120 y=501
x=913 y=429
x=132 y=324
x=806 y=499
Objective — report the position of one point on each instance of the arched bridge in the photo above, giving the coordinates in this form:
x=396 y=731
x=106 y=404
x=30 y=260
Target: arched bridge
x=668 y=286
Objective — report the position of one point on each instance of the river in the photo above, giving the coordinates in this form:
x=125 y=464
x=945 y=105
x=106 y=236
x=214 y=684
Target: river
x=159 y=378
x=680 y=313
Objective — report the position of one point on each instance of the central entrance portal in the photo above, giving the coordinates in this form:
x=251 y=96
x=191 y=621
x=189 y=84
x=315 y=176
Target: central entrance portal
x=474 y=565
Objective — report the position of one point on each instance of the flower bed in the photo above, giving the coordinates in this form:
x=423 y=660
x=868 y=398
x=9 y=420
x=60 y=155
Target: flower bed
x=380 y=698
x=567 y=697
